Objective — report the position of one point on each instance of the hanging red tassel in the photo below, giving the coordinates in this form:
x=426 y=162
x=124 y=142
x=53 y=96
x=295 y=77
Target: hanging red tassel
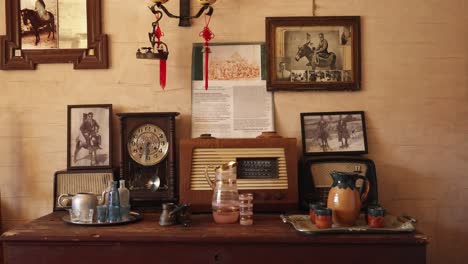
x=162 y=65
x=208 y=35
x=162 y=74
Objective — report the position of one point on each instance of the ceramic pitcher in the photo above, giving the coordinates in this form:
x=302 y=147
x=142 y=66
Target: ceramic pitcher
x=344 y=198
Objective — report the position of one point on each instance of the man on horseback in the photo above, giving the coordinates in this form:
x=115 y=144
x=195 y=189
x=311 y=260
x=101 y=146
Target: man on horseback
x=322 y=49
x=89 y=137
x=90 y=129
x=343 y=133
x=323 y=133
x=41 y=11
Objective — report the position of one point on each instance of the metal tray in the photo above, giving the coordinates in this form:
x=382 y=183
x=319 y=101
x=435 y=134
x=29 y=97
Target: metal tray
x=133 y=217
x=393 y=224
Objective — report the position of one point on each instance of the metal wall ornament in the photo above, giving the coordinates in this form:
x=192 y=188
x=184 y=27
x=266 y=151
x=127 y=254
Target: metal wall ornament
x=159 y=50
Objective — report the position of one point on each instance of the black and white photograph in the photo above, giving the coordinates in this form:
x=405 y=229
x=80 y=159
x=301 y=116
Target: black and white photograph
x=39 y=24
x=298 y=76
x=327 y=133
x=325 y=48
x=89 y=136
x=283 y=73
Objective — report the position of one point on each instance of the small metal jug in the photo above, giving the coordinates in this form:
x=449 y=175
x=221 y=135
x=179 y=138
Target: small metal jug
x=174 y=214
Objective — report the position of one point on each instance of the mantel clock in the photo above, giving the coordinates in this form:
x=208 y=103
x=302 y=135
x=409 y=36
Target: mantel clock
x=148 y=157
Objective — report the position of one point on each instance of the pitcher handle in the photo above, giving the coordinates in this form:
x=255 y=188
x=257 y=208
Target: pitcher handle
x=367 y=188
x=102 y=200
x=210 y=182
x=61 y=197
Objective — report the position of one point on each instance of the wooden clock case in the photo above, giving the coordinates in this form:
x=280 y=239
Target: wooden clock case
x=165 y=170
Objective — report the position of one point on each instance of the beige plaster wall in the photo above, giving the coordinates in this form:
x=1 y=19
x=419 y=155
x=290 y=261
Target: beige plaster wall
x=415 y=95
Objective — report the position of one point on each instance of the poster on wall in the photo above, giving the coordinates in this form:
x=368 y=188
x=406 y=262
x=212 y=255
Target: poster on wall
x=236 y=104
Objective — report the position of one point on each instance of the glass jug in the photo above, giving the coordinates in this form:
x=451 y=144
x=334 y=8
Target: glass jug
x=225 y=202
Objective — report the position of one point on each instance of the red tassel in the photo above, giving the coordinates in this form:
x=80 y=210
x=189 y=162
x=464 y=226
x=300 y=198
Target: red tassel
x=162 y=65
x=207 y=35
x=162 y=74
x=207 y=52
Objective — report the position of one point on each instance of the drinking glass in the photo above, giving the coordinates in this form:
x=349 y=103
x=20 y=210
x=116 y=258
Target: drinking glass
x=74 y=215
x=125 y=212
x=246 y=208
x=101 y=211
x=86 y=216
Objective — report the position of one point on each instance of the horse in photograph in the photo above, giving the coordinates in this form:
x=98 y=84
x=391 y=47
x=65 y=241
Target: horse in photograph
x=89 y=139
x=92 y=145
x=37 y=24
x=314 y=60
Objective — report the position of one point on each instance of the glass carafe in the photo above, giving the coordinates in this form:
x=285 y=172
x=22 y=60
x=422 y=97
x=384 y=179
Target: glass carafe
x=225 y=202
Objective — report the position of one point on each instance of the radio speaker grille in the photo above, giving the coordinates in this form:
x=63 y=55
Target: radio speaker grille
x=75 y=182
x=315 y=181
x=209 y=158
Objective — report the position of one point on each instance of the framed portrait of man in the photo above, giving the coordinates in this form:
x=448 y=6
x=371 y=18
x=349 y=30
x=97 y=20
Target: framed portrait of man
x=313 y=53
x=89 y=138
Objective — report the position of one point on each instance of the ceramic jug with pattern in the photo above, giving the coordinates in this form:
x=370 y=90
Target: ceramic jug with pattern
x=344 y=198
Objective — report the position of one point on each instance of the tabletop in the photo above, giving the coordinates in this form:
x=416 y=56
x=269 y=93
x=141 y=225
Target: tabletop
x=267 y=228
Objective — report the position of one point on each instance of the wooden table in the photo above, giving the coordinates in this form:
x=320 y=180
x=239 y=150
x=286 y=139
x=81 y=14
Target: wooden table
x=49 y=240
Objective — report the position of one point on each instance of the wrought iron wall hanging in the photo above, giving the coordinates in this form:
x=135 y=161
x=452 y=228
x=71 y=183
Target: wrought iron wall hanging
x=159 y=50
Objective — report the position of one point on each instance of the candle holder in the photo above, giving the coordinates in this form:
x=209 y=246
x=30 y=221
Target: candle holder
x=158 y=49
x=184 y=16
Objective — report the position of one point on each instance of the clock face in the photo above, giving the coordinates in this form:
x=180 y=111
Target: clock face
x=147 y=145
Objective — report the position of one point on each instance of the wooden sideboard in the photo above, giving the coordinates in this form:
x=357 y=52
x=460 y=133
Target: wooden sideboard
x=48 y=240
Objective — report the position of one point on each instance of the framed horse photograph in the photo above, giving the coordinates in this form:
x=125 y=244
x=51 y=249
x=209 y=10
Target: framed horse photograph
x=39 y=23
x=89 y=137
x=313 y=53
x=333 y=133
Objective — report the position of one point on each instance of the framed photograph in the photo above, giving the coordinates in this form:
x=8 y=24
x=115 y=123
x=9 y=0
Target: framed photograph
x=331 y=133
x=313 y=53
x=89 y=136
x=39 y=24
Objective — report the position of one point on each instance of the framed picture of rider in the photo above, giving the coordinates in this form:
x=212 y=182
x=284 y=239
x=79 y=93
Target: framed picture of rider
x=333 y=133
x=89 y=138
x=313 y=53
x=39 y=23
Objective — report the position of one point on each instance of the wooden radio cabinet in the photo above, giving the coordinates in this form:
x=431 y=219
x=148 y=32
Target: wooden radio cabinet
x=266 y=167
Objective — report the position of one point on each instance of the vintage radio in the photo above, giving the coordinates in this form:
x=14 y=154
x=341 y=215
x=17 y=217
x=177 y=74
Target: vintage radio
x=267 y=167
x=75 y=181
x=315 y=180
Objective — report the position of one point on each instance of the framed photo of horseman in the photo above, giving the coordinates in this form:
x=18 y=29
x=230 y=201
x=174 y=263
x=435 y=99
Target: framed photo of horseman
x=89 y=138
x=333 y=133
x=39 y=23
x=313 y=53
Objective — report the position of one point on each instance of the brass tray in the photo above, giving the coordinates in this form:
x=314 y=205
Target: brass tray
x=133 y=217
x=393 y=224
